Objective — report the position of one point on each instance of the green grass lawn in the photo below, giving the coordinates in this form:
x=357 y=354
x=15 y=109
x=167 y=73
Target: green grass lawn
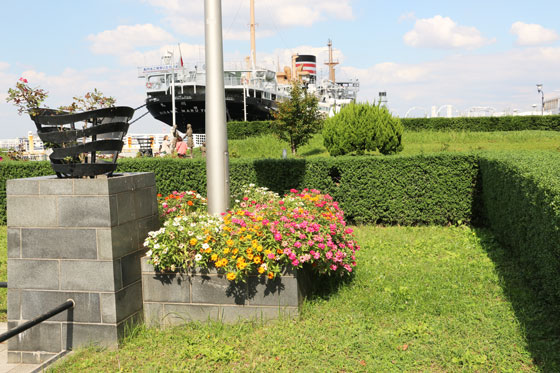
x=414 y=143
x=422 y=299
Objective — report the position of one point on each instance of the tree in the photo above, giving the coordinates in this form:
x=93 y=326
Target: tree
x=363 y=127
x=297 y=118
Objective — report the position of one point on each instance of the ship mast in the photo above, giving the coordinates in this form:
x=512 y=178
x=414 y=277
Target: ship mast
x=253 y=48
x=331 y=64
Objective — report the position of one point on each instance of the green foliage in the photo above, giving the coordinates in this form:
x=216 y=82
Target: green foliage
x=90 y=101
x=484 y=124
x=437 y=189
x=26 y=98
x=521 y=197
x=243 y=130
x=363 y=127
x=298 y=118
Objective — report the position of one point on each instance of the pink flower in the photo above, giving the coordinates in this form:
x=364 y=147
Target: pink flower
x=295 y=262
x=310 y=243
x=277 y=236
x=334 y=267
x=281 y=203
x=329 y=254
x=348 y=268
x=348 y=230
x=245 y=198
x=265 y=222
x=316 y=255
x=292 y=256
x=23 y=80
x=321 y=245
x=293 y=190
x=270 y=256
x=297 y=244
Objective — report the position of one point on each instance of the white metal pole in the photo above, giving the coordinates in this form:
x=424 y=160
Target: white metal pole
x=174 y=122
x=217 y=157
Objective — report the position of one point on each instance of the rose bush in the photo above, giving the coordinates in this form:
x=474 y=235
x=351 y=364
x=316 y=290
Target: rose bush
x=262 y=234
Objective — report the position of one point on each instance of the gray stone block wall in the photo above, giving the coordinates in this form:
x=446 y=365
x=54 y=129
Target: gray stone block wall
x=176 y=298
x=77 y=239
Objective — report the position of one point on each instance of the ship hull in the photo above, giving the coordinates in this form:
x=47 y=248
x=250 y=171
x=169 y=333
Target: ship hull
x=190 y=108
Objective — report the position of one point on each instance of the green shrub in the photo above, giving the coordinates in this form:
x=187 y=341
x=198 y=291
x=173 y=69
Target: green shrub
x=484 y=124
x=362 y=127
x=521 y=199
x=243 y=130
x=437 y=189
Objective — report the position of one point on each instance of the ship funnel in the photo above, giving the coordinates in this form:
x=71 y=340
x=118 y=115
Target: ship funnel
x=307 y=64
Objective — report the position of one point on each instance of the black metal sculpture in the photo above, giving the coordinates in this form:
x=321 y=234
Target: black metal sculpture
x=88 y=151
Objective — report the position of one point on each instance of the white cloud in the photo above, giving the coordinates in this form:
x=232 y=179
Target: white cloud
x=126 y=38
x=407 y=17
x=501 y=80
x=4 y=65
x=443 y=32
x=187 y=17
x=532 y=34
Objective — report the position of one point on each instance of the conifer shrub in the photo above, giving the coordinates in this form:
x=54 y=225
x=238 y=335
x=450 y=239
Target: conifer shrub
x=358 y=128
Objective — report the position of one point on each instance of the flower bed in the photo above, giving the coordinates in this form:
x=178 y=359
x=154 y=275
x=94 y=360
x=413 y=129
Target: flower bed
x=262 y=234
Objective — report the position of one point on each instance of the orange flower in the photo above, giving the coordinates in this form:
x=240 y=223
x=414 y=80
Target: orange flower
x=231 y=276
x=189 y=203
x=270 y=275
x=193 y=241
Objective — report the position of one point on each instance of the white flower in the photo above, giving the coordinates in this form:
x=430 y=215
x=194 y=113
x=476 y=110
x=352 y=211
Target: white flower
x=165 y=251
x=197 y=257
x=193 y=225
x=166 y=223
x=205 y=246
x=180 y=229
x=149 y=253
x=190 y=233
x=146 y=243
x=156 y=246
x=264 y=266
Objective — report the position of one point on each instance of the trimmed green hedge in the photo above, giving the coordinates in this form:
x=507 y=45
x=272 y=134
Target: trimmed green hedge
x=484 y=124
x=243 y=130
x=436 y=189
x=521 y=199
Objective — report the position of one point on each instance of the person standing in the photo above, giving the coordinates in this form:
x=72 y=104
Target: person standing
x=190 y=140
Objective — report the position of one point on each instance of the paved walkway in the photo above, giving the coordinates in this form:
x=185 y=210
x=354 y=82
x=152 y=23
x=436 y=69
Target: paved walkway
x=11 y=368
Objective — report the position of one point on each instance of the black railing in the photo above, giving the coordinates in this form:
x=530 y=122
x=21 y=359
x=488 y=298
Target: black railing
x=28 y=324
x=3 y=284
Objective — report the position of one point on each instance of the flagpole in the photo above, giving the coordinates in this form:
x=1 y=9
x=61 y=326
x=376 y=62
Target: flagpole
x=217 y=157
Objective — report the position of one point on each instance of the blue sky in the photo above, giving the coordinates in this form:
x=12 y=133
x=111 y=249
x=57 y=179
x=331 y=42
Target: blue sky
x=423 y=53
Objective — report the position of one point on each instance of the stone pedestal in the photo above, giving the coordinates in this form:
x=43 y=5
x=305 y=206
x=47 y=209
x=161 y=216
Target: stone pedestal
x=77 y=239
x=176 y=298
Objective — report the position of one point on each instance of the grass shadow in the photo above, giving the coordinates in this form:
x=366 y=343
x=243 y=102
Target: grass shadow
x=539 y=319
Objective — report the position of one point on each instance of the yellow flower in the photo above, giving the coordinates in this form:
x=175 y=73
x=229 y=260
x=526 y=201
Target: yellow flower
x=267 y=251
x=255 y=243
x=224 y=262
x=257 y=260
x=249 y=251
x=193 y=241
x=226 y=250
x=231 y=276
x=250 y=256
x=214 y=257
x=208 y=250
x=229 y=242
x=235 y=251
x=261 y=270
x=248 y=236
x=259 y=248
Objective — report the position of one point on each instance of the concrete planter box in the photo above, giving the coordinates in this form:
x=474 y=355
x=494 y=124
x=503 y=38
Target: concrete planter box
x=176 y=298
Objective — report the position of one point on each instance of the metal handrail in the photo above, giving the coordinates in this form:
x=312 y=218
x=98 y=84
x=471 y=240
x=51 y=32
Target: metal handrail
x=28 y=324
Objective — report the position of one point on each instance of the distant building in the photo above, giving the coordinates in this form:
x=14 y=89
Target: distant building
x=552 y=106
